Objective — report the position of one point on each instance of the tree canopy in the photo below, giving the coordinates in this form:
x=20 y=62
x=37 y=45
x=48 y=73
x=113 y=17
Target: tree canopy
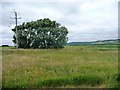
x=42 y=33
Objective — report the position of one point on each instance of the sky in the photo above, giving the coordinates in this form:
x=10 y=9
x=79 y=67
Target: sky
x=86 y=20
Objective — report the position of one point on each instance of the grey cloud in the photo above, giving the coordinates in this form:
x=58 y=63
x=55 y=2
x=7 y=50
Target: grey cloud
x=86 y=20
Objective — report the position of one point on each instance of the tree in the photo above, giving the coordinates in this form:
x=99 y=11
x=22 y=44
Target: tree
x=42 y=33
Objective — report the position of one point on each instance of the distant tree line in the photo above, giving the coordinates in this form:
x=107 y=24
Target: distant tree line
x=5 y=45
x=42 y=33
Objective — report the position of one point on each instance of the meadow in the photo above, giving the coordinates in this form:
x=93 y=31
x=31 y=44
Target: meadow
x=90 y=66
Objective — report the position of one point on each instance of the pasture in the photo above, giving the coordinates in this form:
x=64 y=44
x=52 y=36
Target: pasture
x=90 y=66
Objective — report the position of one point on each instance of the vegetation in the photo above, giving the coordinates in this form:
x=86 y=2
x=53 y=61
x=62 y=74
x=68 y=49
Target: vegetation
x=5 y=45
x=72 y=66
x=100 y=42
x=42 y=33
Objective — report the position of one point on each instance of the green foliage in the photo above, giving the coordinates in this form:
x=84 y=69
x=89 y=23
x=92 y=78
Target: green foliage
x=73 y=80
x=42 y=33
x=73 y=66
x=114 y=81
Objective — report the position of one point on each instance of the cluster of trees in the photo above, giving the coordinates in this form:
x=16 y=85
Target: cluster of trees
x=42 y=33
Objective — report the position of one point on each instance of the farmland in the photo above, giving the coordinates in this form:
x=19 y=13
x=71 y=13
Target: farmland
x=91 y=66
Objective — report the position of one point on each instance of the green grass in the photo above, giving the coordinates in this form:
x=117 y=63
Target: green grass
x=73 y=66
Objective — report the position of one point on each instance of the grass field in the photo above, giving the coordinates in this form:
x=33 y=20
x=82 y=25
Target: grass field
x=94 y=66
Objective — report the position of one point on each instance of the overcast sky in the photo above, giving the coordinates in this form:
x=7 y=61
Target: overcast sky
x=86 y=20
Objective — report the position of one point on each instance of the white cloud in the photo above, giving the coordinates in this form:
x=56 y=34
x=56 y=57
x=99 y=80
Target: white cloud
x=40 y=0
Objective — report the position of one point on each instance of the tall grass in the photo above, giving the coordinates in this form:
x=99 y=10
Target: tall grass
x=73 y=66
